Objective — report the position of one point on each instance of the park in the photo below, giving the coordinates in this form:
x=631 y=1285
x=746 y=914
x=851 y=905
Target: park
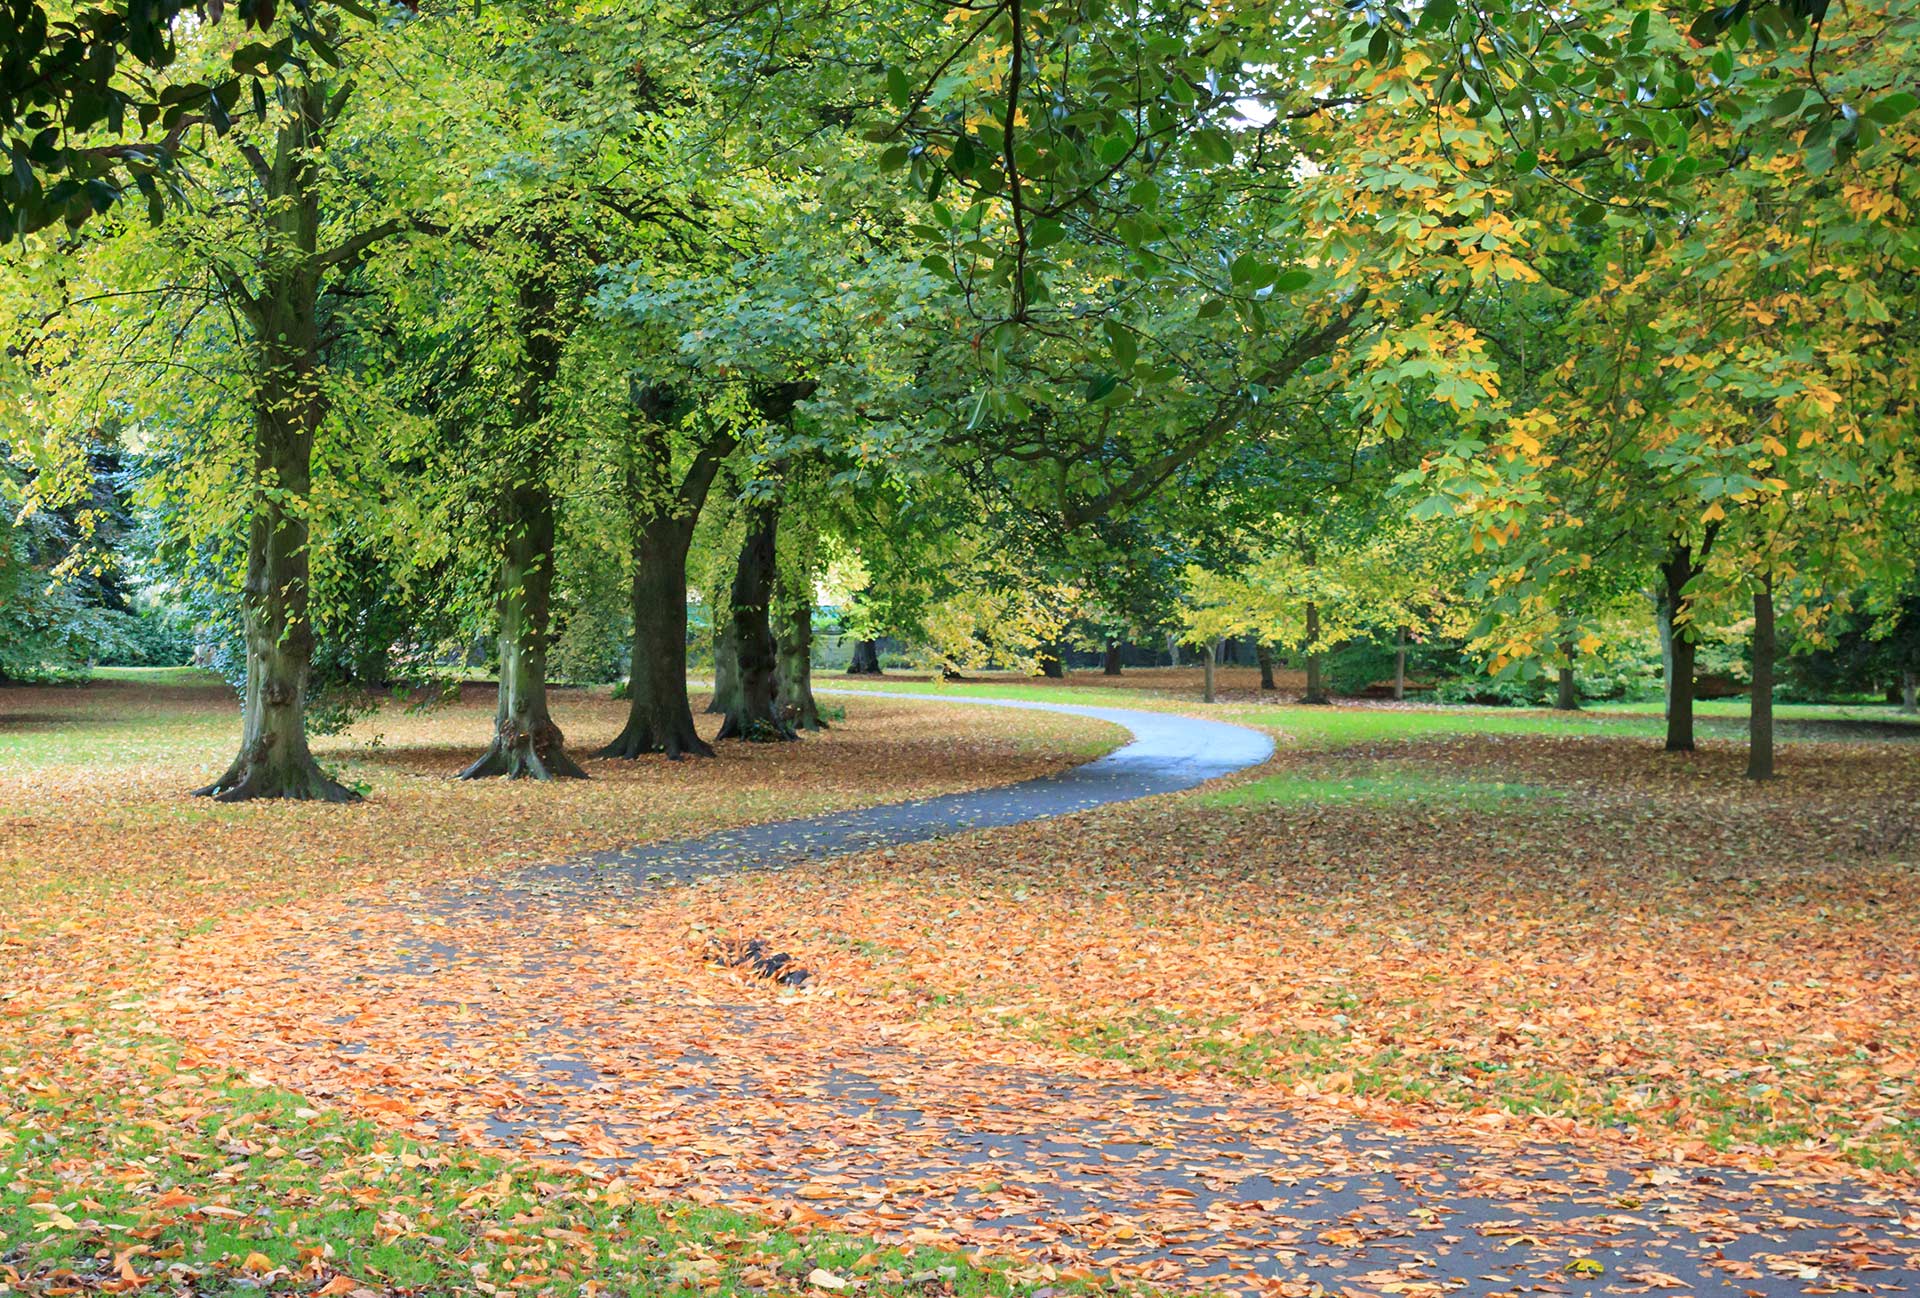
x=984 y=649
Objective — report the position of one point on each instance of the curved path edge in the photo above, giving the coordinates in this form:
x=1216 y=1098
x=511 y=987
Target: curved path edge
x=1189 y=1182
x=1169 y=753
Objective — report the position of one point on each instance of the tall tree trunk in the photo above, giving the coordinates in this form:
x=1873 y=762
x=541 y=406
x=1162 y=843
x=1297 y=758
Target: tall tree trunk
x=793 y=676
x=1263 y=654
x=526 y=742
x=1663 y=622
x=1173 y=650
x=289 y=408
x=1110 y=665
x=1910 y=692
x=866 y=659
x=1568 y=699
x=663 y=515
x=1050 y=665
x=659 y=713
x=1760 y=698
x=1400 y=665
x=753 y=713
x=726 y=666
x=1682 y=565
x=1209 y=652
x=1676 y=572
x=1316 y=687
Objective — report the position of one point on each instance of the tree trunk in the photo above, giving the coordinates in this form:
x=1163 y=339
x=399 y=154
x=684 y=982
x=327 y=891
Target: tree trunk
x=1316 y=687
x=1050 y=665
x=1173 y=650
x=726 y=666
x=1680 y=708
x=1569 y=694
x=659 y=714
x=289 y=408
x=1760 y=697
x=526 y=742
x=1400 y=665
x=1663 y=620
x=1677 y=571
x=1208 y=653
x=753 y=712
x=1110 y=665
x=1910 y=692
x=793 y=676
x=866 y=659
x=1263 y=654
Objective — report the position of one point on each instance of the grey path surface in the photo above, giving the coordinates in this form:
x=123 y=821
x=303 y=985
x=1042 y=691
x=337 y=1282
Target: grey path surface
x=1190 y=1183
x=1168 y=753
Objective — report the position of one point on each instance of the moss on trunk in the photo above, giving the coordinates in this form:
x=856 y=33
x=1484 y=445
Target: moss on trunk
x=289 y=407
x=526 y=742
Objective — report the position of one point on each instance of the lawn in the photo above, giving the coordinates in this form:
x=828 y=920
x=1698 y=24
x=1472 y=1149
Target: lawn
x=129 y=1159
x=1478 y=925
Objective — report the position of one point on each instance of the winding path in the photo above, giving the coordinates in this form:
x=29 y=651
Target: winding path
x=1168 y=753
x=520 y=983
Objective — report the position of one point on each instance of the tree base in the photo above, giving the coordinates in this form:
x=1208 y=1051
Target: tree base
x=1316 y=700
x=522 y=757
x=302 y=781
x=757 y=730
x=639 y=739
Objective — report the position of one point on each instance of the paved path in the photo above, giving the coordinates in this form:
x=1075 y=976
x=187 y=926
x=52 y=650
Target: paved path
x=1049 y=1157
x=1168 y=753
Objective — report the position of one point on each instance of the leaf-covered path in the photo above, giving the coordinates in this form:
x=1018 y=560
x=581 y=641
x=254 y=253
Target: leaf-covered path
x=525 y=1017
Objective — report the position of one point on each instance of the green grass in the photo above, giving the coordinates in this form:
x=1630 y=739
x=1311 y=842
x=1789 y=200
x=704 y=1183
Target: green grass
x=1384 y=787
x=1347 y=724
x=159 y=675
x=1771 y=1115
x=238 y=1189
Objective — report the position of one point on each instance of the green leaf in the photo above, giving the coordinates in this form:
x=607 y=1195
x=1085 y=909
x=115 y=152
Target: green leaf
x=899 y=89
x=1889 y=109
x=1122 y=343
x=1292 y=281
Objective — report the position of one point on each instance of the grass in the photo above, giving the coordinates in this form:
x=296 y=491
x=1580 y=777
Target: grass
x=1356 y=722
x=123 y=1168
x=1453 y=910
x=1378 y=788
x=220 y=1187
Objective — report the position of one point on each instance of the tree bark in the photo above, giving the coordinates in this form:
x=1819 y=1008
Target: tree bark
x=663 y=514
x=1110 y=665
x=289 y=408
x=866 y=659
x=1676 y=572
x=659 y=713
x=1760 y=697
x=726 y=667
x=1663 y=621
x=1316 y=687
x=1400 y=666
x=1050 y=665
x=1263 y=654
x=793 y=676
x=1173 y=650
x=1568 y=699
x=1910 y=692
x=526 y=742
x=1208 y=653
x=753 y=711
